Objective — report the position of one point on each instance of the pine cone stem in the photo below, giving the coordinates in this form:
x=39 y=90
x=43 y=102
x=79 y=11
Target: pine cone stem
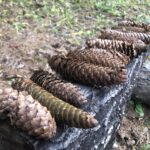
x=100 y=57
x=62 y=112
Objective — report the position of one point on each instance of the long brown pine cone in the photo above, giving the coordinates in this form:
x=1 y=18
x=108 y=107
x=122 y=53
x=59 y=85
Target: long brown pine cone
x=85 y=73
x=60 y=110
x=27 y=114
x=116 y=45
x=145 y=37
x=59 y=87
x=98 y=57
x=130 y=23
x=139 y=45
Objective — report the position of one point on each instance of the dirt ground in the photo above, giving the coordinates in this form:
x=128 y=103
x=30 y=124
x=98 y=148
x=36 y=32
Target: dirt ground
x=134 y=132
x=23 y=51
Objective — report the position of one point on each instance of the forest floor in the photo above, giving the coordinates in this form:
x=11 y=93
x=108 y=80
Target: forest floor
x=31 y=30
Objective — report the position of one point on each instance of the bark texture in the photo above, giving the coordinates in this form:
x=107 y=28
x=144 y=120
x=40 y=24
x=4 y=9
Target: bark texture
x=11 y=139
x=142 y=88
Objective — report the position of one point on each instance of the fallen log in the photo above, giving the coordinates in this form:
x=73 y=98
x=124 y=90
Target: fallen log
x=107 y=104
x=141 y=91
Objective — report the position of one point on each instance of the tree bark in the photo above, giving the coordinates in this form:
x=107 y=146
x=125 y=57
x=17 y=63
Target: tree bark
x=141 y=91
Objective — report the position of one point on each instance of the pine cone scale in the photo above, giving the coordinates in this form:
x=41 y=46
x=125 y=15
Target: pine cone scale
x=60 y=88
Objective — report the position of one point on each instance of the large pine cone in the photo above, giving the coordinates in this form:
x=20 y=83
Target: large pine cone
x=86 y=73
x=100 y=57
x=120 y=46
x=27 y=114
x=59 y=87
x=62 y=111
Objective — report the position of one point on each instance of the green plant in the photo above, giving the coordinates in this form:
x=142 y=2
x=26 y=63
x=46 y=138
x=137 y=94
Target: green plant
x=139 y=109
x=145 y=147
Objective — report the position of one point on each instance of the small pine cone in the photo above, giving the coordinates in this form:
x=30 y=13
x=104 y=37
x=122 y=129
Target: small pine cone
x=62 y=111
x=119 y=56
x=85 y=73
x=98 y=57
x=141 y=36
x=120 y=46
x=27 y=114
x=127 y=23
x=60 y=88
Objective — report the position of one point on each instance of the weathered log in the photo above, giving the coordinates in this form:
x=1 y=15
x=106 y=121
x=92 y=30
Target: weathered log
x=10 y=139
x=108 y=105
x=141 y=91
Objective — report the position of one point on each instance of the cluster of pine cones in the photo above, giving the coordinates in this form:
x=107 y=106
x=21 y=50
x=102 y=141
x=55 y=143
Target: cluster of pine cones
x=52 y=97
x=103 y=61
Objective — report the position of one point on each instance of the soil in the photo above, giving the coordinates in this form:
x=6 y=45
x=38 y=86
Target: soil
x=134 y=131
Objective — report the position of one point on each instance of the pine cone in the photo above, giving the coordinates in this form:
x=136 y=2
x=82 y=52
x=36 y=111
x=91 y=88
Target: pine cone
x=138 y=45
x=85 y=73
x=107 y=35
x=120 y=46
x=27 y=114
x=145 y=26
x=98 y=57
x=60 y=88
x=141 y=36
x=129 y=29
x=62 y=111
